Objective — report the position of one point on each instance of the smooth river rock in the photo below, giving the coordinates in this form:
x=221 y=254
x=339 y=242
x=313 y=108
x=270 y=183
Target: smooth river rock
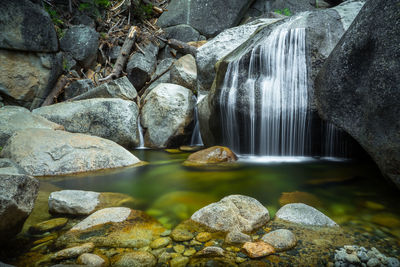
x=358 y=87
x=110 y=118
x=79 y=202
x=234 y=212
x=58 y=152
x=166 y=115
x=114 y=227
x=212 y=155
x=14 y=118
x=18 y=193
x=303 y=214
x=280 y=239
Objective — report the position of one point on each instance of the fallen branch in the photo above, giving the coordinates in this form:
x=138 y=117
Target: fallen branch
x=123 y=55
x=141 y=92
x=50 y=99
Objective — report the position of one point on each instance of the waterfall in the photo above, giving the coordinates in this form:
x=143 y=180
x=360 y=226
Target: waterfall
x=270 y=103
x=140 y=131
x=196 y=136
x=334 y=143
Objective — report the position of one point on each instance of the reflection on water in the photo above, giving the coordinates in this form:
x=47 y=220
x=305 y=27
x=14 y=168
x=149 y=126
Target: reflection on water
x=352 y=193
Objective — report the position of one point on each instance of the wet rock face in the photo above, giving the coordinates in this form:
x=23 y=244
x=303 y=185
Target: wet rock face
x=357 y=89
x=235 y=212
x=212 y=155
x=58 y=152
x=303 y=214
x=19 y=27
x=13 y=119
x=18 y=193
x=113 y=119
x=166 y=115
x=209 y=17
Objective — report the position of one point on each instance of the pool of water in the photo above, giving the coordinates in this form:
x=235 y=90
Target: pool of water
x=352 y=193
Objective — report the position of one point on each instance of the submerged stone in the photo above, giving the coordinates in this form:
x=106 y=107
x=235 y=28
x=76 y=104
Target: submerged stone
x=280 y=239
x=91 y=260
x=50 y=225
x=73 y=251
x=303 y=214
x=212 y=155
x=234 y=212
x=137 y=258
x=236 y=237
x=258 y=249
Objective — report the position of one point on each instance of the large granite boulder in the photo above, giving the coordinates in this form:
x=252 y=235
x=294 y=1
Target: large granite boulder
x=358 y=87
x=319 y=42
x=78 y=87
x=184 y=72
x=233 y=213
x=220 y=46
x=58 y=152
x=28 y=77
x=18 y=192
x=166 y=115
x=111 y=118
x=209 y=17
x=81 y=42
x=26 y=27
x=14 y=118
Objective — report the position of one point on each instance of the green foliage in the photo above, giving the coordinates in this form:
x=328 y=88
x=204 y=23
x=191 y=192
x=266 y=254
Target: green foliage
x=285 y=11
x=1 y=148
x=94 y=6
x=147 y=10
x=65 y=64
x=53 y=15
x=142 y=11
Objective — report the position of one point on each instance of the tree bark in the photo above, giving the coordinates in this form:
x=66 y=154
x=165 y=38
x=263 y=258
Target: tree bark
x=182 y=47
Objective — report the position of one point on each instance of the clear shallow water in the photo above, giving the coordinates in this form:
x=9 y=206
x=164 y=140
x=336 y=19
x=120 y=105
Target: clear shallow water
x=352 y=193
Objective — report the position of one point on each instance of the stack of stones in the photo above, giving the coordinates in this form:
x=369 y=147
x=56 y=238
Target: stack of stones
x=360 y=256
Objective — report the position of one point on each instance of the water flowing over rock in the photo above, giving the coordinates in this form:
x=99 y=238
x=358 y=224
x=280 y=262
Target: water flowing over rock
x=235 y=212
x=19 y=27
x=220 y=46
x=58 y=152
x=209 y=17
x=357 y=89
x=113 y=119
x=18 y=192
x=82 y=42
x=166 y=115
x=14 y=118
x=303 y=214
x=263 y=91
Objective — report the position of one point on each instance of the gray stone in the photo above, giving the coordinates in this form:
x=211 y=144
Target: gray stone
x=111 y=118
x=114 y=52
x=73 y=252
x=14 y=118
x=220 y=46
x=163 y=66
x=183 y=32
x=58 y=152
x=137 y=258
x=140 y=66
x=18 y=193
x=373 y=262
x=7 y=166
x=83 y=19
x=233 y=213
x=28 y=77
x=82 y=42
x=393 y=262
x=91 y=260
x=25 y=26
x=352 y=259
x=119 y=88
x=236 y=237
x=357 y=89
x=280 y=239
x=209 y=17
x=184 y=72
x=294 y=6
x=166 y=115
x=103 y=216
x=77 y=88
x=74 y=202
x=303 y=214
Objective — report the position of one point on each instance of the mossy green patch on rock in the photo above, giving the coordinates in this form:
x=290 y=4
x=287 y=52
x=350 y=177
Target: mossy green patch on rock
x=49 y=225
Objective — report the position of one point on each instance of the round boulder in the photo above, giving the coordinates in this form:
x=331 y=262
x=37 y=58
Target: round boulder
x=280 y=239
x=234 y=212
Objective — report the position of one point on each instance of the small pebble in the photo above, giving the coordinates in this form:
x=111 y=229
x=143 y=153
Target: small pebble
x=203 y=237
x=179 y=248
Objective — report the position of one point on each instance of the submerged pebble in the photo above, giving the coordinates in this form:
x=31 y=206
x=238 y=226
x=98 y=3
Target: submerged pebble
x=356 y=256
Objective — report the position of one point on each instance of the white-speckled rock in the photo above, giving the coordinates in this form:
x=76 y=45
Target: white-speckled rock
x=75 y=202
x=59 y=152
x=73 y=251
x=103 y=216
x=184 y=72
x=280 y=239
x=234 y=212
x=91 y=260
x=303 y=214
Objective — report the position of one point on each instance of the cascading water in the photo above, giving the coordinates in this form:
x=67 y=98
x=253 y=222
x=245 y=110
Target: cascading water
x=334 y=143
x=196 y=136
x=275 y=115
x=140 y=131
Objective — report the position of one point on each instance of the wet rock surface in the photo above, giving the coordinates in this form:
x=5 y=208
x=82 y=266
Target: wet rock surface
x=212 y=155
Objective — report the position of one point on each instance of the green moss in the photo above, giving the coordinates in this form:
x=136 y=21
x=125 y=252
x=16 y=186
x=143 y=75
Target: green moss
x=285 y=11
